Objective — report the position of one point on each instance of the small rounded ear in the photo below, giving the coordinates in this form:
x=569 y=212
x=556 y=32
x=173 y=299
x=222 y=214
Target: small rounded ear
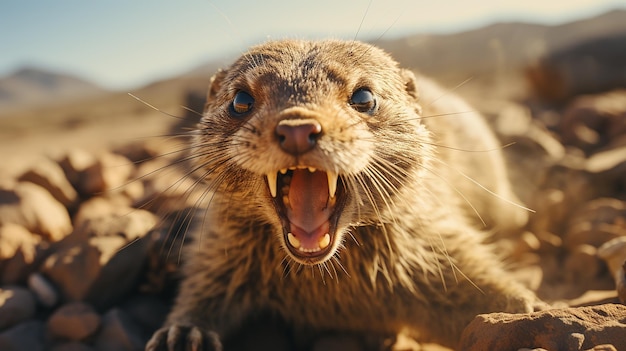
x=214 y=87
x=410 y=85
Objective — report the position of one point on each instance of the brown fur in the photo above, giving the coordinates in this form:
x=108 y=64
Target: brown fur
x=406 y=254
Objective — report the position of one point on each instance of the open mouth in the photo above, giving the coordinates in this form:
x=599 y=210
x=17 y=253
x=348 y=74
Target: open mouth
x=308 y=203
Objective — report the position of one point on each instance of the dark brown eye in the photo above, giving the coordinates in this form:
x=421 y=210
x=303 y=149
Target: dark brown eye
x=363 y=100
x=242 y=103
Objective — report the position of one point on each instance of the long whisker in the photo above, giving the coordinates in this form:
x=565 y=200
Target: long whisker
x=510 y=202
x=358 y=30
x=154 y=107
x=459 y=192
x=338 y=262
x=450 y=91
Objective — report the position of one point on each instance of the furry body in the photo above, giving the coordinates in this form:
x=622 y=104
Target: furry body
x=404 y=253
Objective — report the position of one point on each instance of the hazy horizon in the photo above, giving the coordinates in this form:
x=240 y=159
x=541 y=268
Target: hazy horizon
x=121 y=45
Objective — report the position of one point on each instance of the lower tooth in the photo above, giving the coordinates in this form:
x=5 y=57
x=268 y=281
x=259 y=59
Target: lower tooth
x=324 y=241
x=293 y=240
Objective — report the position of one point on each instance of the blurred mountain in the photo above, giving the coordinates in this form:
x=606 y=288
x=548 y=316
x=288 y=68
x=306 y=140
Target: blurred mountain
x=33 y=87
x=499 y=49
x=493 y=56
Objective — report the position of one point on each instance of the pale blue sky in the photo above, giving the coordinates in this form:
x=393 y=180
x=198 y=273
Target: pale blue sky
x=122 y=44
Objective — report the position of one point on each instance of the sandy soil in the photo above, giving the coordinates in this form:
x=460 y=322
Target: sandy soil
x=95 y=124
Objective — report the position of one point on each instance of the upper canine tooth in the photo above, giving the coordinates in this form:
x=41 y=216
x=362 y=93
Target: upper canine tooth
x=283 y=171
x=271 y=181
x=332 y=183
x=312 y=169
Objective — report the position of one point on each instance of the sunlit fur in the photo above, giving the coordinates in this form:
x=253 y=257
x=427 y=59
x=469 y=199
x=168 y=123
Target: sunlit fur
x=408 y=252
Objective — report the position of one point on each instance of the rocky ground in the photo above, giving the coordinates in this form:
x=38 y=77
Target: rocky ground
x=90 y=242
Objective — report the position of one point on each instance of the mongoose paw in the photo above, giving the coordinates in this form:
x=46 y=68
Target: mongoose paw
x=525 y=302
x=183 y=338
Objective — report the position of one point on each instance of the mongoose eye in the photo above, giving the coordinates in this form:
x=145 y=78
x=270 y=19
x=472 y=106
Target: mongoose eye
x=363 y=100
x=242 y=103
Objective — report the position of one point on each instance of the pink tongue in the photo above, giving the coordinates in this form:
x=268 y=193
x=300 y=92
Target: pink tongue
x=308 y=198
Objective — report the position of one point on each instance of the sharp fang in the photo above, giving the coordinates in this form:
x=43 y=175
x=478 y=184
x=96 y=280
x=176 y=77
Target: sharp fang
x=293 y=240
x=271 y=181
x=283 y=171
x=312 y=169
x=332 y=183
x=324 y=241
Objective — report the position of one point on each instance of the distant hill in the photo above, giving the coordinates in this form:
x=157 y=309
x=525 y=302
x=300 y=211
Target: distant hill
x=498 y=53
x=497 y=49
x=33 y=87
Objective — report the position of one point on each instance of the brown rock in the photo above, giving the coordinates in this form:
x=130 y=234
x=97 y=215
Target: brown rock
x=522 y=245
x=564 y=188
x=595 y=235
x=45 y=292
x=533 y=151
x=614 y=254
x=119 y=333
x=72 y=346
x=50 y=176
x=32 y=207
x=592 y=235
x=148 y=311
x=549 y=243
x=100 y=207
x=529 y=275
x=74 y=164
x=603 y=348
x=16 y=305
x=550 y=210
x=100 y=270
x=338 y=342
x=597 y=222
x=406 y=343
x=612 y=160
x=582 y=263
x=128 y=223
x=103 y=265
x=74 y=321
x=107 y=175
x=74 y=268
x=119 y=276
x=573 y=329
x=593 y=122
x=592 y=298
x=602 y=210
x=151 y=149
x=25 y=336
x=168 y=187
x=608 y=168
x=18 y=252
x=132 y=191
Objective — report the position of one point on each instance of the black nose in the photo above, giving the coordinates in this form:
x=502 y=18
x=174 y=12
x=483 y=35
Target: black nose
x=298 y=136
